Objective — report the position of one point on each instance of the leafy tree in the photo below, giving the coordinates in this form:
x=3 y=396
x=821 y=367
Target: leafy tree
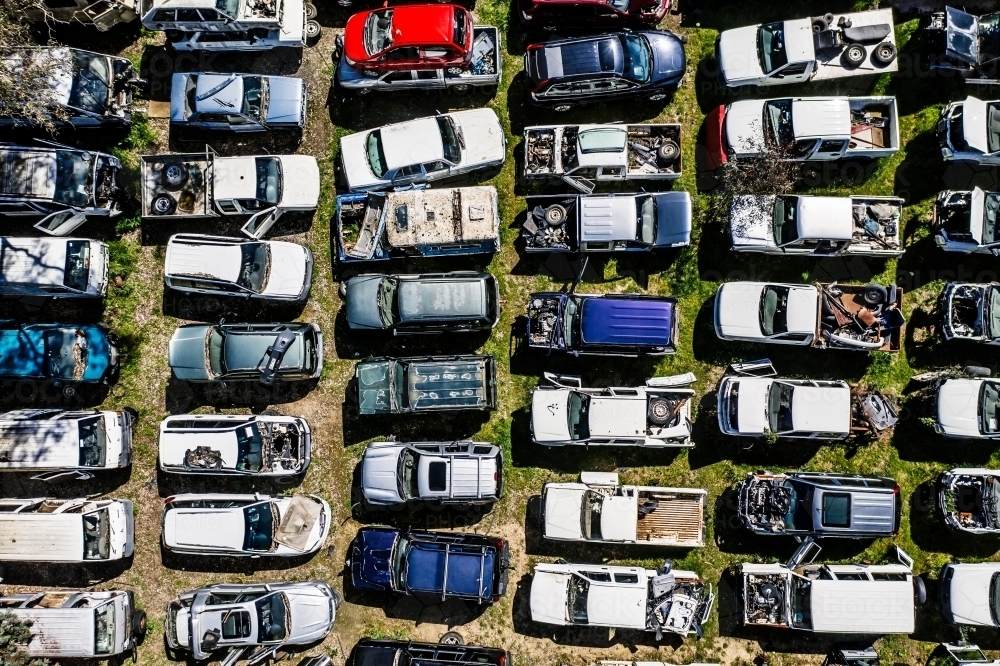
x=25 y=74
x=15 y=633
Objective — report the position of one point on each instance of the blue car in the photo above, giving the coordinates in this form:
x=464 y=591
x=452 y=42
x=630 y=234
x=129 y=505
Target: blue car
x=603 y=324
x=63 y=354
x=439 y=564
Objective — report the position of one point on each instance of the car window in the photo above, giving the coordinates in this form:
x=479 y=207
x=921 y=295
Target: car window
x=73 y=178
x=991 y=233
x=408 y=486
x=66 y=352
x=778 y=122
x=774 y=310
x=104 y=629
x=404 y=53
x=164 y=15
x=451 y=139
x=784 y=223
x=376 y=158
x=77 y=274
x=256 y=266
x=235 y=625
x=249 y=445
x=989 y=400
x=627 y=578
x=851 y=575
x=437 y=476
x=780 y=408
x=216 y=360
x=258 y=522
x=93 y=442
x=578 y=589
x=836 y=511
x=96 y=536
x=230 y=7
x=188 y=15
x=272 y=618
x=461 y=26
x=255 y=97
x=387 y=301
x=378 y=31
x=269 y=179
x=579 y=403
x=771 y=46
x=637 y=58
x=599 y=576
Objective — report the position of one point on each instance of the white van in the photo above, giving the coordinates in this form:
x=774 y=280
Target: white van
x=78 y=624
x=53 y=267
x=65 y=445
x=65 y=530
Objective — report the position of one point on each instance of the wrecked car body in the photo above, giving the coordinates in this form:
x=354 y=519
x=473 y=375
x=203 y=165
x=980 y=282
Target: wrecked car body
x=971 y=312
x=969 y=499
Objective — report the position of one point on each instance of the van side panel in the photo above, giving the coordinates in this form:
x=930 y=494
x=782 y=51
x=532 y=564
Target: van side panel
x=60 y=632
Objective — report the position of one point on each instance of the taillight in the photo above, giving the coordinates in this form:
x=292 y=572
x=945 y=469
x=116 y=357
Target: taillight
x=895 y=491
x=169 y=499
x=502 y=660
x=500 y=544
x=535 y=47
x=541 y=84
x=494 y=476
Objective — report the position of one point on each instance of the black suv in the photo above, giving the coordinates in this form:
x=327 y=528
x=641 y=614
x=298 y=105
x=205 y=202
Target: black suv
x=371 y=652
x=563 y=73
x=817 y=504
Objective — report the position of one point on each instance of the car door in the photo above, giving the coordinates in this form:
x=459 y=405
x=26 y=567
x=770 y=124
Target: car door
x=408 y=174
x=61 y=222
x=260 y=223
x=791 y=73
x=398 y=80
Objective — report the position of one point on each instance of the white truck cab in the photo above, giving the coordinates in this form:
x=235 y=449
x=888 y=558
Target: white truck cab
x=223 y=25
x=969 y=130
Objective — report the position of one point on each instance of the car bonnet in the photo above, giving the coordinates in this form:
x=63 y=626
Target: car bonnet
x=673 y=218
x=186 y=353
x=669 y=62
x=311 y=613
x=374 y=379
x=285 y=100
x=379 y=470
x=371 y=554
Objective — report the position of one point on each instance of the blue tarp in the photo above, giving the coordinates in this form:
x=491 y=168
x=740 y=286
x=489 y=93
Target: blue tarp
x=612 y=320
x=470 y=570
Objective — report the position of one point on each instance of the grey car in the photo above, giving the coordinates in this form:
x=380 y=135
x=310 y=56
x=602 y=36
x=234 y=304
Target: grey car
x=246 y=352
x=817 y=504
x=425 y=384
x=430 y=303
x=237 y=102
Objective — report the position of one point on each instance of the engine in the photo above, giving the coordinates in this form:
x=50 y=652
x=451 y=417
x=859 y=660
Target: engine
x=764 y=599
x=765 y=504
x=543 y=320
x=284 y=447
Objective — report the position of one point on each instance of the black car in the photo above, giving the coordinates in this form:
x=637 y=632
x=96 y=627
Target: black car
x=563 y=73
x=372 y=652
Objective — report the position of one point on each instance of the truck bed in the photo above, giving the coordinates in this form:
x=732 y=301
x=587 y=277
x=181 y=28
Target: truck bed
x=881 y=215
x=874 y=125
x=193 y=198
x=551 y=151
x=541 y=236
x=829 y=63
x=678 y=519
x=852 y=303
x=643 y=142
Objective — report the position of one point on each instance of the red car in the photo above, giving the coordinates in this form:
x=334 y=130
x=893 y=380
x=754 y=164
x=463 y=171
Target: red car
x=409 y=37
x=563 y=13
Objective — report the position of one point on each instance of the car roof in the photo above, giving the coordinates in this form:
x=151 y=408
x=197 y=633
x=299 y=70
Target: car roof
x=582 y=56
x=244 y=349
x=452 y=383
x=207 y=259
x=34 y=260
x=442 y=298
x=619 y=320
x=453 y=569
x=423 y=25
x=413 y=142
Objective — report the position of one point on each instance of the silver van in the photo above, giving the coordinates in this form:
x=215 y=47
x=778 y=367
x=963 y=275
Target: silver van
x=65 y=530
x=78 y=623
x=65 y=445
x=55 y=268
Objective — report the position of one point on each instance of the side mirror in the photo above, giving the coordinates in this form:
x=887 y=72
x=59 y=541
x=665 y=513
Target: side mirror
x=210 y=641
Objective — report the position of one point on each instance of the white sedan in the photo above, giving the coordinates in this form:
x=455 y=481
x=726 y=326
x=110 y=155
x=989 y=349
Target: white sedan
x=968 y=408
x=423 y=150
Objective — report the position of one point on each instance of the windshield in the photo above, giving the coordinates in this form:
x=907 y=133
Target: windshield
x=799 y=514
x=570 y=308
x=771 y=47
x=991 y=314
x=255 y=97
x=269 y=179
x=259 y=526
x=230 y=7
x=577 y=601
x=461 y=26
x=96 y=536
x=104 y=629
x=93 y=441
x=989 y=397
x=620 y=5
x=786 y=228
x=779 y=407
x=407 y=476
x=778 y=123
x=256 y=266
x=590 y=515
x=990 y=206
x=576 y=411
x=73 y=178
x=774 y=310
x=376 y=158
x=249 y=444
x=647 y=219
x=386 y=300
x=399 y=553
x=378 y=31
x=451 y=139
x=91 y=85
x=215 y=352
x=989 y=38
x=66 y=353
x=801 y=603
x=637 y=58
x=77 y=274
x=271 y=618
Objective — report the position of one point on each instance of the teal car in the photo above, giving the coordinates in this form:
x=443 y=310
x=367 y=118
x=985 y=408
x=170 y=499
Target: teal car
x=63 y=354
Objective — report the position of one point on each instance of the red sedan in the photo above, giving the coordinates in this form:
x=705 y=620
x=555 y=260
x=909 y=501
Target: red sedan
x=565 y=13
x=409 y=37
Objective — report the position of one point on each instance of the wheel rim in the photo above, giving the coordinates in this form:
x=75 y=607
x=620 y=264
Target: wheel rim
x=461 y=89
x=885 y=52
x=657 y=97
x=562 y=107
x=311 y=10
x=660 y=409
x=364 y=91
x=312 y=29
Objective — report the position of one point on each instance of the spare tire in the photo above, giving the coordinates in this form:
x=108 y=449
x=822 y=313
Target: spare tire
x=555 y=215
x=452 y=638
x=854 y=55
x=174 y=175
x=875 y=294
x=659 y=411
x=163 y=205
x=885 y=53
x=667 y=153
x=819 y=24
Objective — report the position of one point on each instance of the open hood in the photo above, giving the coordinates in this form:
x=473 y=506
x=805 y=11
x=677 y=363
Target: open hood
x=962 y=36
x=974 y=124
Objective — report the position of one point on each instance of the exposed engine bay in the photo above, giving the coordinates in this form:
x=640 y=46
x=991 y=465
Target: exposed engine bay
x=953 y=215
x=265 y=9
x=971 y=311
x=764 y=501
x=108 y=192
x=878 y=223
x=861 y=317
x=649 y=150
x=550 y=227
x=539 y=151
x=676 y=606
x=280 y=452
x=544 y=326
x=765 y=599
x=969 y=501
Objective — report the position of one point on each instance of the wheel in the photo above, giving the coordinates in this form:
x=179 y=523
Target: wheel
x=561 y=108
x=338 y=598
x=555 y=215
x=667 y=152
x=659 y=411
x=461 y=89
x=875 y=294
x=977 y=371
x=819 y=24
x=854 y=55
x=69 y=391
x=919 y=591
x=342 y=290
x=656 y=97
x=313 y=30
x=454 y=70
x=139 y=625
x=885 y=53
x=174 y=175
x=164 y=204
x=452 y=638
x=311 y=11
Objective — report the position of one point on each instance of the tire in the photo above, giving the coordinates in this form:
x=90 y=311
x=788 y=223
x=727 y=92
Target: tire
x=659 y=411
x=562 y=108
x=338 y=598
x=452 y=638
x=163 y=205
x=313 y=30
x=342 y=290
x=819 y=24
x=919 y=591
x=875 y=294
x=884 y=53
x=139 y=625
x=461 y=89
x=311 y=11
x=454 y=70
x=656 y=97
x=854 y=55
x=68 y=391
x=174 y=175
x=667 y=153
x=977 y=371
x=555 y=216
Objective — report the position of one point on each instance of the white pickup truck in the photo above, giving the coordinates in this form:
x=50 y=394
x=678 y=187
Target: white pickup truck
x=232 y=25
x=581 y=155
x=596 y=595
x=821 y=48
x=966 y=221
x=816 y=226
x=811 y=129
x=204 y=185
x=598 y=509
x=837 y=316
x=969 y=131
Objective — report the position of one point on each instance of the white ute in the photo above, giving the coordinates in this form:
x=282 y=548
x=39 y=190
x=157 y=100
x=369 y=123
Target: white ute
x=966 y=221
x=655 y=415
x=801 y=408
x=423 y=150
x=968 y=594
x=665 y=600
x=816 y=226
x=821 y=48
x=969 y=131
x=968 y=408
x=231 y=25
x=600 y=510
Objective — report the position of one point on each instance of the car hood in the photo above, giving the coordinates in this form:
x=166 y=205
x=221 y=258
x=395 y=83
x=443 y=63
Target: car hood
x=970 y=593
x=354 y=157
x=549 y=417
x=186 y=353
x=288 y=269
x=562 y=506
x=374 y=379
x=371 y=557
x=673 y=219
x=285 y=104
x=958 y=407
x=378 y=474
x=736 y=52
x=362 y=302
x=484 y=138
x=668 y=56
x=300 y=181
x=312 y=615
x=743 y=128
x=548 y=597
x=750 y=220
x=751 y=401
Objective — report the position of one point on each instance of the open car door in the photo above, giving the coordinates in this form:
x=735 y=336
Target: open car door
x=61 y=476
x=804 y=554
x=580 y=184
x=62 y=222
x=106 y=14
x=260 y=223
